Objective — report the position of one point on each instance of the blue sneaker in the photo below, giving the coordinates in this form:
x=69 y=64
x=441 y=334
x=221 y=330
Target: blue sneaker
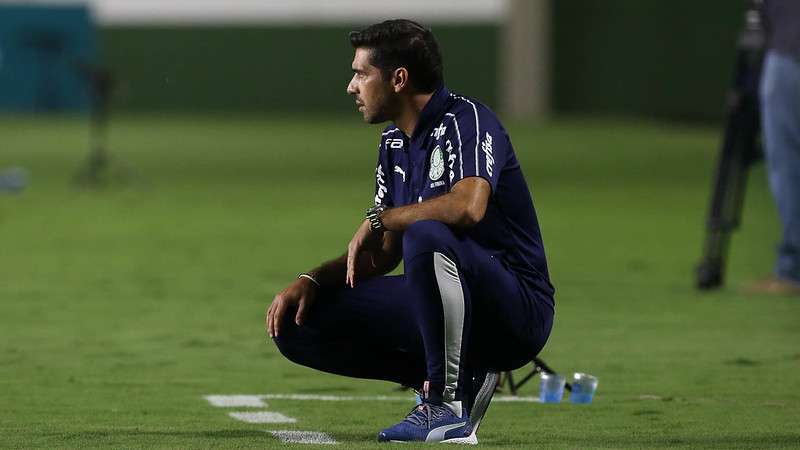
x=428 y=422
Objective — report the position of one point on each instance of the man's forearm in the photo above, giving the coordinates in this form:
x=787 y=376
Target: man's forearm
x=448 y=209
x=332 y=273
x=462 y=207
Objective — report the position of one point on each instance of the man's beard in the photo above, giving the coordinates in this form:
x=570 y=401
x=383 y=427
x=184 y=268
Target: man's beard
x=385 y=110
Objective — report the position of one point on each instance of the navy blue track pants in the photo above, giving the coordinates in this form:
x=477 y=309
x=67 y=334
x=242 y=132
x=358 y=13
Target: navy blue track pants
x=456 y=310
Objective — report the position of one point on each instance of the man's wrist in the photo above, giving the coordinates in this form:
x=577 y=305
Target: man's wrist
x=310 y=277
x=373 y=216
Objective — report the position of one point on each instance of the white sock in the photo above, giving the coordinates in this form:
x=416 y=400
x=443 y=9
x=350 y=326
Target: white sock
x=455 y=406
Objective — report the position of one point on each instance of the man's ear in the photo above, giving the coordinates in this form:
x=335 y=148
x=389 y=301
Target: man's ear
x=400 y=79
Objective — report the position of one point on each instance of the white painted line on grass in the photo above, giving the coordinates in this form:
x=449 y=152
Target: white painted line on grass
x=339 y=398
x=262 y=417
x=236 y=401
x=381 y=398
x=516 y=398
x=257 y=401
x=303 y=437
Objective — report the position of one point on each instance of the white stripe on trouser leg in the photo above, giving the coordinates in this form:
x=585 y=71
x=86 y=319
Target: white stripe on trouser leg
x=453 y=307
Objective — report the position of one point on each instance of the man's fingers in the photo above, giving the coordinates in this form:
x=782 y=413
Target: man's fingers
x=351 y=252
x=267 y=320
x=267 y=328
x=300 y=317
x=349 y=264
x=271 y=319
x=277 y=318
x=349 y=278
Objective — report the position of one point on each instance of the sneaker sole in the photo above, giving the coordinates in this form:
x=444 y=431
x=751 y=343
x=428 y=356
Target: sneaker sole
x=472 y=439
x=482 y=400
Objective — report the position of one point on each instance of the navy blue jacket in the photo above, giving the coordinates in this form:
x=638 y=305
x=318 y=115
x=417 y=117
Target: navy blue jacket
x=456 y=138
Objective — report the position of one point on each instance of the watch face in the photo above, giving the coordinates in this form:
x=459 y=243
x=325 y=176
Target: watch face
x=437 y=164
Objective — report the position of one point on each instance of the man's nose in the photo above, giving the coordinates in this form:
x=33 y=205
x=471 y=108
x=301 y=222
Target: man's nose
x=351 y=88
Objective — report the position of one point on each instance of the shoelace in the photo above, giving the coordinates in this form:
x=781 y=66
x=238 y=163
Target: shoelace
x=424 y=413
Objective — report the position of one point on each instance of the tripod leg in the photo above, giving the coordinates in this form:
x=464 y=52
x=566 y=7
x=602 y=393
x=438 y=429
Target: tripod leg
x=530 y=375
x=512 y=388
x=738 y=150
x=710 y=270
x=540 y=366
x=729 y=188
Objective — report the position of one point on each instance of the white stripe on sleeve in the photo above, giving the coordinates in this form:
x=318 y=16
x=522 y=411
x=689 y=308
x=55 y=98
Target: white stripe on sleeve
x=477 y=130
x=458 y=135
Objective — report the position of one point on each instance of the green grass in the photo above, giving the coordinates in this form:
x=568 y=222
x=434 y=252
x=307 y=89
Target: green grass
x=121 y=308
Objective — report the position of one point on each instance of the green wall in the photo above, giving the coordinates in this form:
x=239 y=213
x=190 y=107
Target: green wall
x=266 y=69
x=644 y=57
x=621 y=57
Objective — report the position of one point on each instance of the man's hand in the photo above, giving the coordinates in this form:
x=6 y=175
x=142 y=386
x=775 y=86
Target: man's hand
x=364 y=239
x=300 y=293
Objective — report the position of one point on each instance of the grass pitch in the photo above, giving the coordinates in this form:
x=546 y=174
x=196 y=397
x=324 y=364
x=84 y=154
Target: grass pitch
x=121 y=308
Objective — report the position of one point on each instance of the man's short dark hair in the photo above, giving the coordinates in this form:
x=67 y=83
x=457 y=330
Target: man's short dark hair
x=403 y=43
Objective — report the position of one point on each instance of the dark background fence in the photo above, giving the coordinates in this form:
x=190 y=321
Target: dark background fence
x=668 y=59
x=614 y=57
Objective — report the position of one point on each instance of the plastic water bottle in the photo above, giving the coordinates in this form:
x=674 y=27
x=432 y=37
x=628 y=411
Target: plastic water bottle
x=583 y=387
x=551 y=389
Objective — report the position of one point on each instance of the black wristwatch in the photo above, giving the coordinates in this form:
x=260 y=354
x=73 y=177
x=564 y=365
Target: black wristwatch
x=374 y=217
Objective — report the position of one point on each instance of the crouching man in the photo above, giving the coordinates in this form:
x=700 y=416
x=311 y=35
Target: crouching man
x=452 y=203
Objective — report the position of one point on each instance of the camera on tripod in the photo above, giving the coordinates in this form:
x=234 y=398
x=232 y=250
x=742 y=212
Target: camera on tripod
x=740 y=148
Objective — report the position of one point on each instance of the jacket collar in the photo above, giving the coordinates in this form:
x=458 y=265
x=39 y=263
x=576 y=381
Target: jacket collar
x=431 y=113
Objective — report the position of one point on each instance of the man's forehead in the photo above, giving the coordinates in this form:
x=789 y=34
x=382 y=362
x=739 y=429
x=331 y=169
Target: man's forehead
x=361 y=59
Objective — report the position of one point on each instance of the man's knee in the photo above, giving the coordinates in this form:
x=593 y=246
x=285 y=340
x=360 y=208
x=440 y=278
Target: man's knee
x=298 y=345
x=425 y=236
x=284 y=346
x=291 y=342
x=287 y=345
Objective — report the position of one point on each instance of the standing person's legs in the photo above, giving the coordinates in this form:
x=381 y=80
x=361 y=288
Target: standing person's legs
x=780 y=97
x=365 y=332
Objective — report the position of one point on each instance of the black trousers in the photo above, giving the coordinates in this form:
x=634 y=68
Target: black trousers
x=457 y=310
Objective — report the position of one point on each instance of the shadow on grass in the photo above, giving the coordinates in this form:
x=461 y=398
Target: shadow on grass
x=749 y=441
x=188 y=435
x=731 y=441
x=212 y=434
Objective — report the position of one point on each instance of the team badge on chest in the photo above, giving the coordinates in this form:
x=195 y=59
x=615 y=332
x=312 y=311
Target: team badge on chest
x=437 y=164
